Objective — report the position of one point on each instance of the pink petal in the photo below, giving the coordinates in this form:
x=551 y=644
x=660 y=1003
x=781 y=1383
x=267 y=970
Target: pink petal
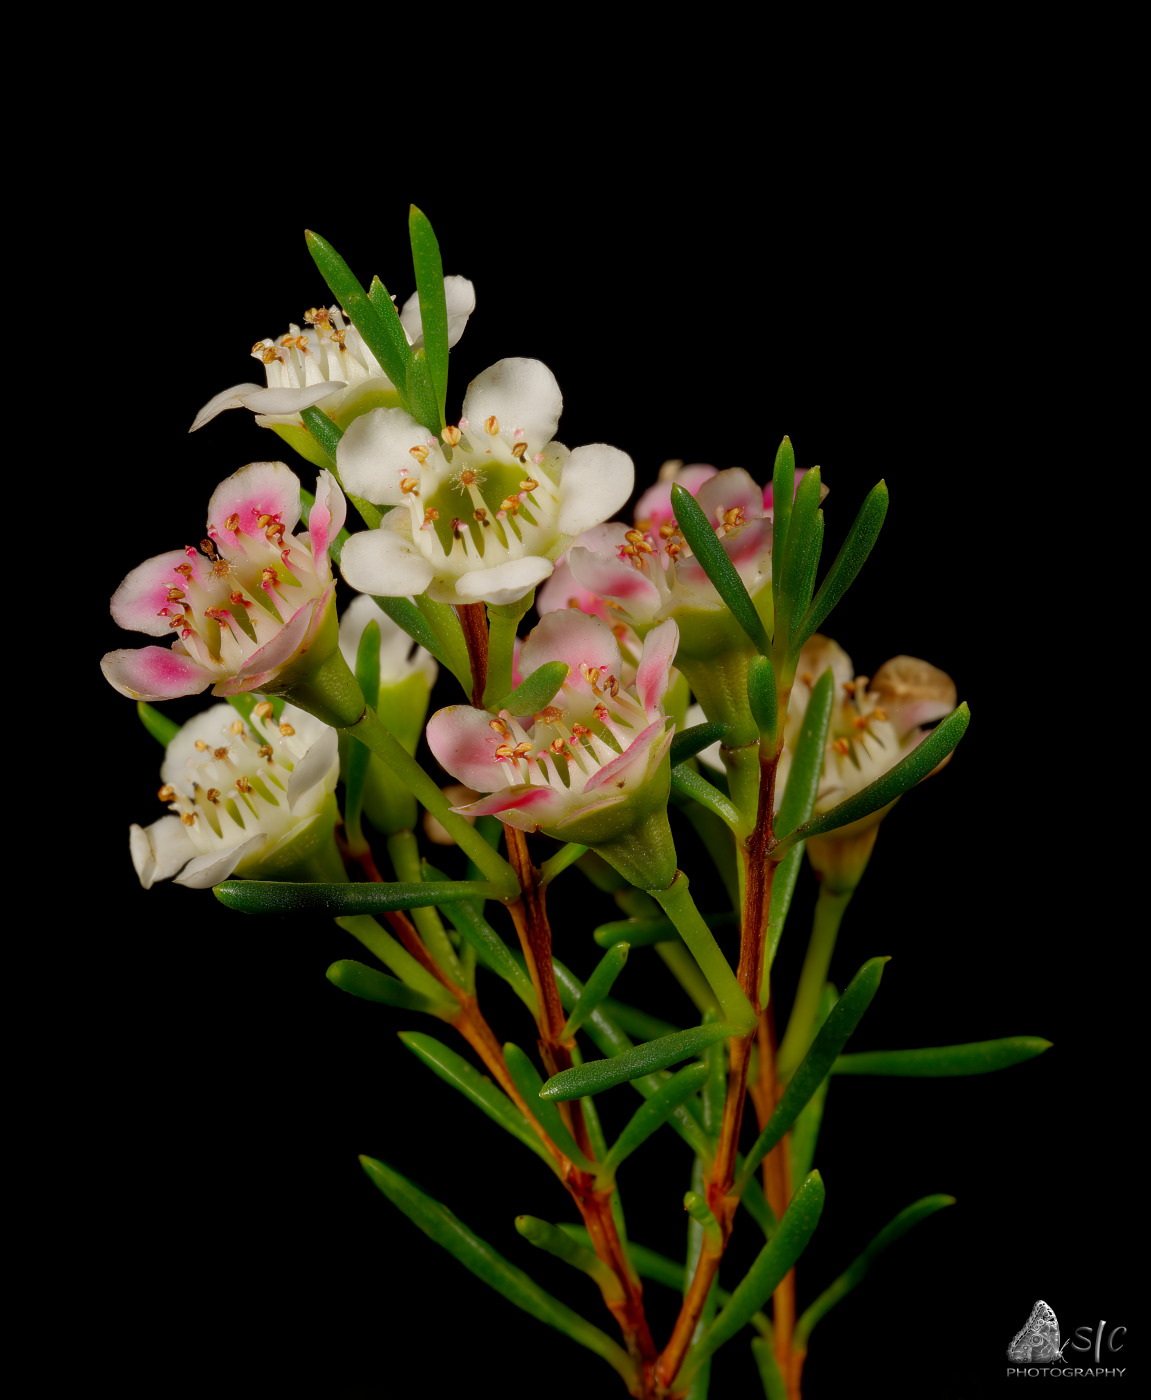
x=574 y=638
x=654 y=506
x=326 y=518
x=465 y=744
x=143 y=596
x=659 y=650
x=288 y=640
x=260 y=488
x=527 y=808
x=730 y=489
x=609 y=577
x=154 y=673
x=646 y=751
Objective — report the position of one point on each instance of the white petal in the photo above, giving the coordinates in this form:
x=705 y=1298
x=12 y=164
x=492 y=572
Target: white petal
x=506 y=583
x=374 y=455
x=206 y=871
x=460 y=296
x=159 y=850
x=316 y=765
x=226 y=398
x=520 y=394
x=596 y=482
x=275 y=401
x=384 y=562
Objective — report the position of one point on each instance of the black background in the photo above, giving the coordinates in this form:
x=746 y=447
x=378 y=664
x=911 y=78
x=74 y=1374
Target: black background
x=218 y=1089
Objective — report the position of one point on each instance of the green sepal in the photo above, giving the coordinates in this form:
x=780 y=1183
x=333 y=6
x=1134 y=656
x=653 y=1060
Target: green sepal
x=536 y=691
x=371 y=985
x=716 y=563
x=942 y=1061
x=921 y=761
x=597 y=986
x=762 y=697
x=816 y=1064
x=860 y=541
x=429 y=269
x=651 y=1115
x=476 y=1255
x=688 y=742
x=358 y=758
x=782 y=497
x=561 y=1246
x=772 y=1264
x=288 y=897
x=598 y=1075
x=528 y=1081
x=160 y=726
x=909 y=1216
x=807 y=758
x=453 y=1069
x=376 y=317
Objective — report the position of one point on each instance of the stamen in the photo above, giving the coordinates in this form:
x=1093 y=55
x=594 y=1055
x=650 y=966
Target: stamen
x=518 y=450
x=264 y=710
x=529 y=485
x=841 y=747
x=420 y=453
x=213 y=795
x=500 y=727
x=233 y=522
x=286 y=730
x=243 y=785
x=491 y=425
x=189 y=818
x=451 y=436
x=237 y=726
x=221 y=753
x=201 y=746
x=167 y=793
x=265 y=751
x=550 y=714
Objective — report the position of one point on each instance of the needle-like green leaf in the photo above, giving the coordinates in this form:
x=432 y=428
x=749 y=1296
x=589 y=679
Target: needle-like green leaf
x=761 y=695
x=375 y=318
x=848 y=562
x=288 y=897
x=447 y=1230
x=782 y=495
x=854 y=1274
x=528 y=1081
x=651 y=1115
x=371 y=985
x=532 y=694
x=761 y=1280
x=897 y=780
x=641 y=933
x=453 y=1069
x=717 y=565
x=807 y=758
x=429 y=270
x=833 y=1035
x=689 y=784
x=598 y=1075
x=161 y=727
x=561 y=1245
x=942 y=1061
x=795 y=564
x=688 y=742
x=596 y=987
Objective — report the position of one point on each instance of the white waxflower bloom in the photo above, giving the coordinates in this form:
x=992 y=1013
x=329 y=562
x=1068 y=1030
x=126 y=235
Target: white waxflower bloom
x=329 y=366
x=484 y=510
x=247 y=797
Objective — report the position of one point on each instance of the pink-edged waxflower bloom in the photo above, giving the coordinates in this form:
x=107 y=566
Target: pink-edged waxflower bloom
x=249 y=608
x=591 y=766
x=247 y=797
x=328 y=366
x=484 y=510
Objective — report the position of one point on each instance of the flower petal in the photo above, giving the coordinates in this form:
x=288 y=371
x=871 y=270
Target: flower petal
x=260 y=488
x=527 y=808
x=226 y=398
x=503 y=583
x=384 y=562
x=154 y=673
x=202 y=872
x=596 y=482
x=522 y=395
x=460 y=296
x=659 y=649
x=315 y=766
x=644 y=753
x=607 y=576
x=730 y=489
x=654 y=506
x=465 y=744
x=272 y=402
x=139 y=601
x=327 y=516
x=575 y=638
x=159 y=850
x=374 y=455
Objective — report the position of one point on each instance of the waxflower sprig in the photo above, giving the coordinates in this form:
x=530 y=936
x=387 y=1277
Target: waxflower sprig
x=573 y=734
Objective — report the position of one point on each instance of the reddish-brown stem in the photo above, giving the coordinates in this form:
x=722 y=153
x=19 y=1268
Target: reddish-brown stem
x=758 y=873
x=474 y=622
